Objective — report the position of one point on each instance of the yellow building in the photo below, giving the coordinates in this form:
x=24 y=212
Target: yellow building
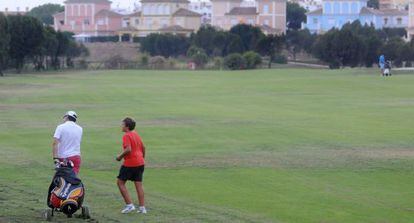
x=270 y=15
x=161 y=16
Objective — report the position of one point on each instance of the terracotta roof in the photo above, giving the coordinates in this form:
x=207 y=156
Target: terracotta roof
x=174 y=28
x=87 y=1
x=242 y=11
x=315 y=12
x=180 y=1
x=186 y=12
x=105 y=12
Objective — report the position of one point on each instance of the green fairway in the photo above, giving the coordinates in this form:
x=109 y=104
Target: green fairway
x=285 y=145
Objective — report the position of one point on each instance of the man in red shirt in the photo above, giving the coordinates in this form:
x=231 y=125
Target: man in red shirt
x=133 y=166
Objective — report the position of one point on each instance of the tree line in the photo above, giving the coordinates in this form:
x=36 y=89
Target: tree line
x=352 y=45
x=25 y=40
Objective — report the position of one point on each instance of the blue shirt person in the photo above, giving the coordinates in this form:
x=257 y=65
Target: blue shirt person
x=381 y=62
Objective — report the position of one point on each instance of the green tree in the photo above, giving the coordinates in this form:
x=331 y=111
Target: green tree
x=299 y=40
x=197 y=55
x=4 y=42
x=166 y=45
x=205 y=39
x=249 y=35
x=252 y=59
x=26 y=37
x=235 y=61
x=373 y=4
x=271 y=45
x=45 y=12
x=295 y=15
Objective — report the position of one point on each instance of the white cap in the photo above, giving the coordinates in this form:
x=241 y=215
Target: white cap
x=72 y=114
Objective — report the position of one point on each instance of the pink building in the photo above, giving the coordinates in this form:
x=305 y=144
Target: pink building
x=88 y=17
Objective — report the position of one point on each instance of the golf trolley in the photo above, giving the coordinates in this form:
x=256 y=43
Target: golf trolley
x=66 y=193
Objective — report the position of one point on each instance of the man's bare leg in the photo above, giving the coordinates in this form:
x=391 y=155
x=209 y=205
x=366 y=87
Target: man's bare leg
x=124 y=191
x=140 y=192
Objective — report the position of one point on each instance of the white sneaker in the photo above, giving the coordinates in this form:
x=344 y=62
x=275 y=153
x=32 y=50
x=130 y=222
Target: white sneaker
x=142 y=210
x=128 y=208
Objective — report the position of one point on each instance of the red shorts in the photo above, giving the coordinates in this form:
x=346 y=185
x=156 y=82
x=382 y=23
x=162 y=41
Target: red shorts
x=76 y=163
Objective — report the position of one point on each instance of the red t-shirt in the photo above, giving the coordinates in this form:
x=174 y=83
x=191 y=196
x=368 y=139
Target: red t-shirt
x=135 y=157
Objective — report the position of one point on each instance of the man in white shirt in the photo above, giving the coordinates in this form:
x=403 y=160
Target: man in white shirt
x=67 y=140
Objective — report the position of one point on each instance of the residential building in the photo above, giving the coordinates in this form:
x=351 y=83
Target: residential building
x=393 y=4
x=161 y=16
x=336 y=13
x=203 y=8
x=270 y=15
x=96 y=18
x=88 y=17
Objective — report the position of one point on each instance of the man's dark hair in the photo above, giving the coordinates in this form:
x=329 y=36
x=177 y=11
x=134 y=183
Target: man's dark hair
x=129 y=123
x=70 y=118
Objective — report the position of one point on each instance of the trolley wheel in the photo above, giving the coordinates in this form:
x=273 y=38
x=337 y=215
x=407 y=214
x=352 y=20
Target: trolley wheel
x=48 y=214
x=85 y=212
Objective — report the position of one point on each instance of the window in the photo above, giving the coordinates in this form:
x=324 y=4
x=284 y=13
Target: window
x=75 y=10
x=266 y=22
x=125 y=22
x=354 y=8
x=62 y=22
x=101 y=22
x=148 y=23
x=336 y=7
x=315 y=20
x=399 y=21
x=345 y=8
x=265 y=9
x=250 y=21
x=385 y=21
x=233 y=21
x=86 y=22
x=136 y=21
x=328 y=8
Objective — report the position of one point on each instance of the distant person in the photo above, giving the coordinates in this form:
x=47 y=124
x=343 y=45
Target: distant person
x=132 y=168
x=381 y=63
x=67 y=140
x=387 y=68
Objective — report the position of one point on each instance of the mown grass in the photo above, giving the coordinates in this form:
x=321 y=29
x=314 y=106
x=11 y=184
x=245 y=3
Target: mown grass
x=286 y=145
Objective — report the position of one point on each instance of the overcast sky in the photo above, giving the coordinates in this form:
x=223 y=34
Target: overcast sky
x=13 y=4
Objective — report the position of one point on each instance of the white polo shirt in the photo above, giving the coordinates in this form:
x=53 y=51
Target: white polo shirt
x=69 y=135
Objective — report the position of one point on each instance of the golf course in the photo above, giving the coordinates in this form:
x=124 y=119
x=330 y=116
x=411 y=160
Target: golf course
x=280 y=145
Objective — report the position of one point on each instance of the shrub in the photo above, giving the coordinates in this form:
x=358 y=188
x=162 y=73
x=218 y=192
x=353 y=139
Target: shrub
x=157 y=62
x=218 y=62
x=280 y=59
x=234 y=61
x=144 y=61
x=252 y=59
x=115 y=62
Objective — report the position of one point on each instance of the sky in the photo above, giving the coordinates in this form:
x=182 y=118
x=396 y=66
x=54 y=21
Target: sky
x=22 y=4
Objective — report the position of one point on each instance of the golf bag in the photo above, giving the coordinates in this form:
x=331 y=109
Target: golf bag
x=66 y=192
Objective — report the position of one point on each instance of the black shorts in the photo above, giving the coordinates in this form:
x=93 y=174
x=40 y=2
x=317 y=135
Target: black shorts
x=131 y=173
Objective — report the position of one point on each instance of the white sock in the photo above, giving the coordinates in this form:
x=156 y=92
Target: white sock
x=141 y=207
x=130 y=205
